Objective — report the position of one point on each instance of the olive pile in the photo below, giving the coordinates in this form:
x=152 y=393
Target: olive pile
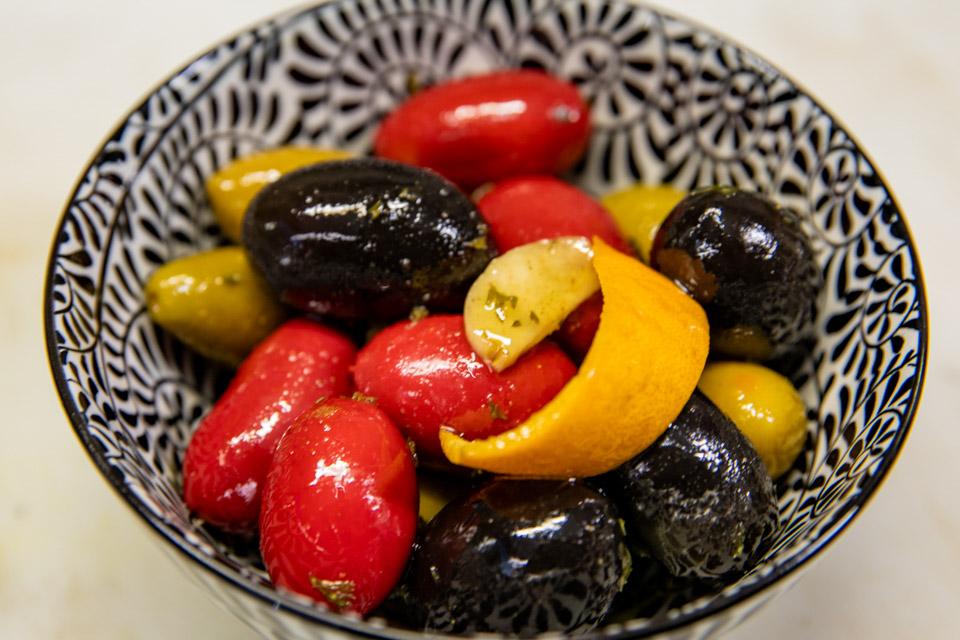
x=375 y=243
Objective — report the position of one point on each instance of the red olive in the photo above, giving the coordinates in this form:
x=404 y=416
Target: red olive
x=425 y=375
x=529 y=208
x=339 y=510
x=487 y=127
x=576 y=333
x=227 y=458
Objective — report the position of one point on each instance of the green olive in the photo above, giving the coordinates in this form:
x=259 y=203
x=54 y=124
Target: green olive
x=764 y=405
x=639 y=210
x=214 y=302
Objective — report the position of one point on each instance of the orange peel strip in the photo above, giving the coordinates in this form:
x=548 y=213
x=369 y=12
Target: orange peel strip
x=644 y=363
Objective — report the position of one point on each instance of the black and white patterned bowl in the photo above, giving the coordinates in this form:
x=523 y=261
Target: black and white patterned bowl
x=671 y=103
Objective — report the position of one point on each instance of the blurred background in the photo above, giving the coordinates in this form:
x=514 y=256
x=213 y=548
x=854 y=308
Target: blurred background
x=74 y=560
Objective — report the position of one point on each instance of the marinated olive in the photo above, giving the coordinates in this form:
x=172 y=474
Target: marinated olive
x=489 y=126
x=426 y=377
x=751 y=266
x=339 y=511
x=215 y=302
x=366 y=237
x=764 y=405
x=639 y=210
x=226 y=461
x=519 y=557
x=700 y=498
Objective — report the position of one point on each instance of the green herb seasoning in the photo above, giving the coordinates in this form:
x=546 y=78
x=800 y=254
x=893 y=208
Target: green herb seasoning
x=339 y=593
x=495 y=412
x=419 y=312
x=499 y=303
x=479 y=243
x=360 y=397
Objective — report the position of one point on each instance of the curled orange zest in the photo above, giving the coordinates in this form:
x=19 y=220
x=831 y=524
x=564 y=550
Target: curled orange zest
x=644 y=363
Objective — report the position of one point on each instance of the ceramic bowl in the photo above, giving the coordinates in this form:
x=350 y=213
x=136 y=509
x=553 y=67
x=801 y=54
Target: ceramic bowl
x=671 y=102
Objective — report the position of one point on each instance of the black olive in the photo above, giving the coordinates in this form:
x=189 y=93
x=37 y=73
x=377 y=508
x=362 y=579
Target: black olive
x=366 y=238
x=699 y=498
x=519 y=557
x=750 y=264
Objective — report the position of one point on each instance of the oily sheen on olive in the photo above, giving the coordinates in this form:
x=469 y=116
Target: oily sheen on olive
x=519 y=557
x=700 y=498
x=751 y=266
x=366 y=238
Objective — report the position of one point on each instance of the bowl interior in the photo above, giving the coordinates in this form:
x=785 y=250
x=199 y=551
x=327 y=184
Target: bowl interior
x=671 y=103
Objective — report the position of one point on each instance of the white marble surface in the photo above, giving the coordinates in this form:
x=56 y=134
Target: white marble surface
x=75 y=563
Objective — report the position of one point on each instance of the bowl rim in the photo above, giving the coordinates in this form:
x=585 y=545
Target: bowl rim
x=311 y=612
